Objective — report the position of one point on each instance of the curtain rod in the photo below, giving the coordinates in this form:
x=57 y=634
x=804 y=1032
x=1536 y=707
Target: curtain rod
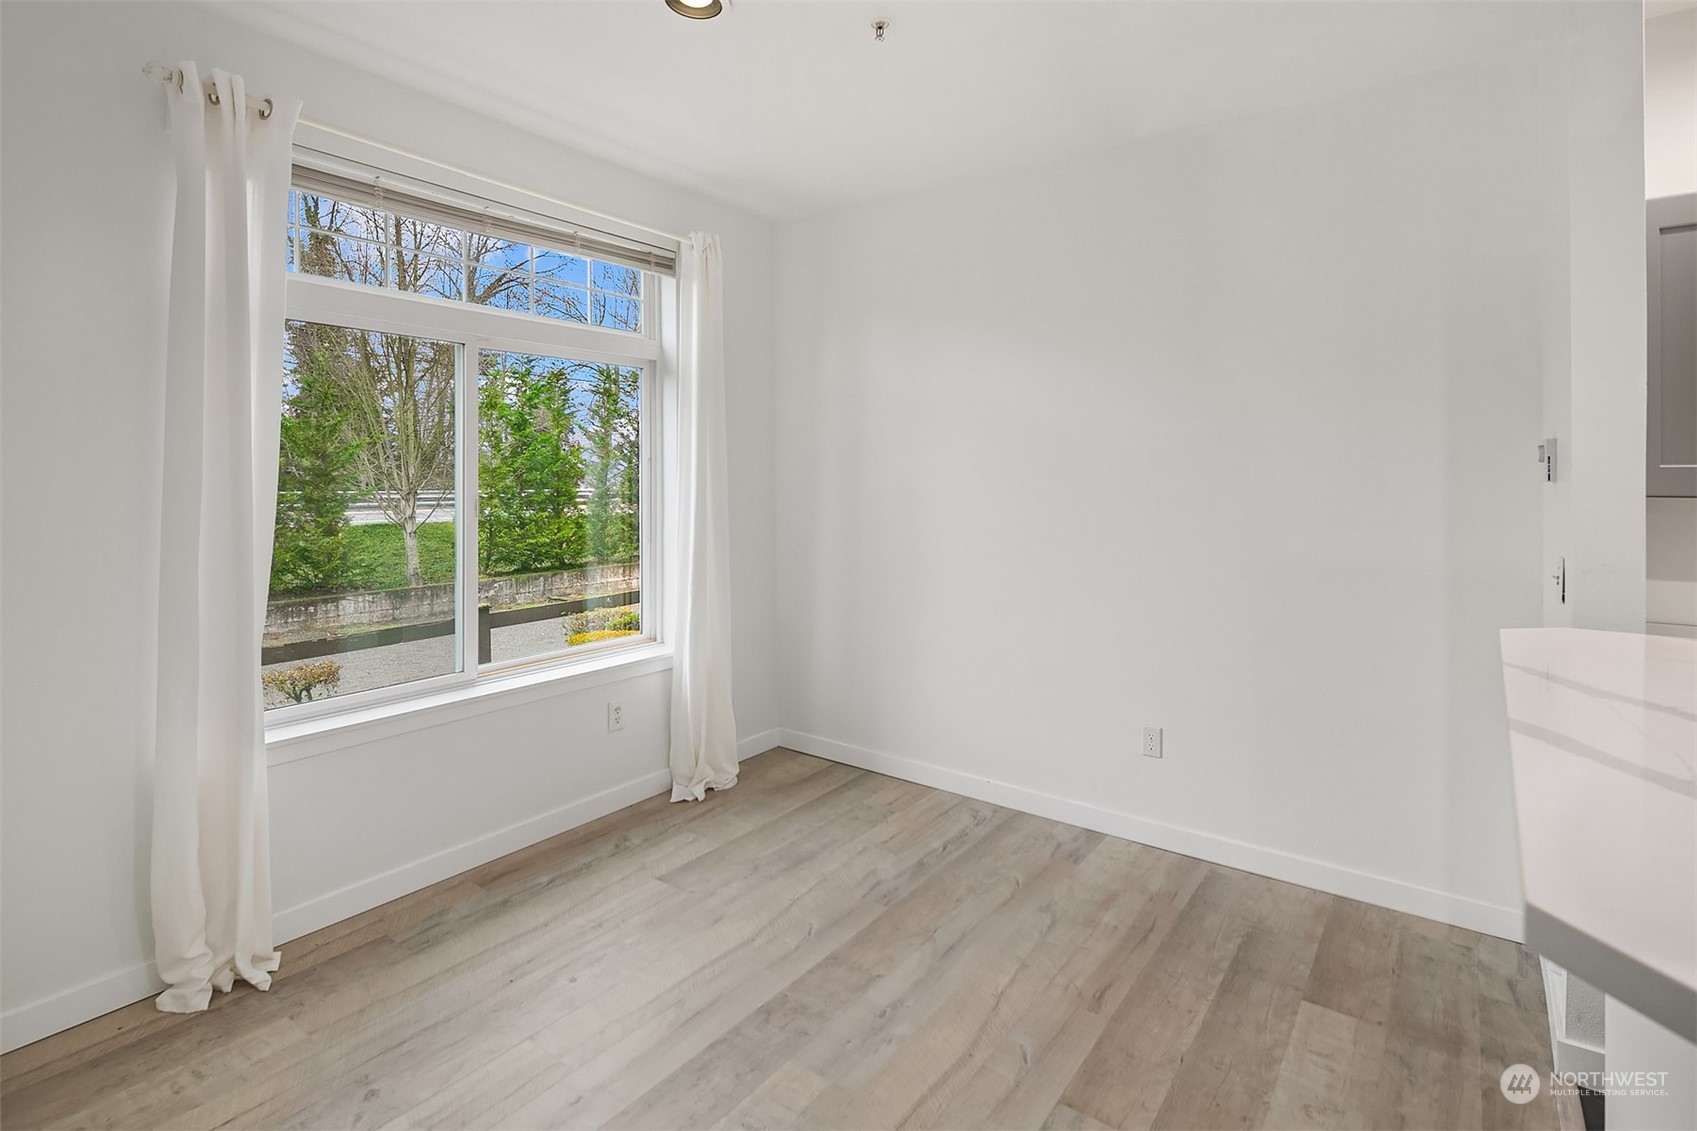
x=168 y=75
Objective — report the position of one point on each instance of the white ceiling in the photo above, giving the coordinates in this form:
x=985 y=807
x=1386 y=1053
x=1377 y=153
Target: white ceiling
x=788 y=106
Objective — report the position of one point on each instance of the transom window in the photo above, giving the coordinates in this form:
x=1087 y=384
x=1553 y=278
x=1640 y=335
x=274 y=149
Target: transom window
x=378 y=248
x=465 y=480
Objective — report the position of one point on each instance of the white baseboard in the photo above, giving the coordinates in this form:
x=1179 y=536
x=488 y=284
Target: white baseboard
x=321 y=911
x=759 y=743
x=27 y=1023
x=37 y=1019
x=1398 y=895
x=34 y=1020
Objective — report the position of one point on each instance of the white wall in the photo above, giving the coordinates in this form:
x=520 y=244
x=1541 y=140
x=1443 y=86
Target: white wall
x=1638 y=1044
x=1670 y=104
x=1670 y=169
x=86 y=207
x=1230 y=432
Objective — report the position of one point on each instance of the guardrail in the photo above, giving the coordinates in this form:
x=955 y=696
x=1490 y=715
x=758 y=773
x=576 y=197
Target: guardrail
x=487 y=621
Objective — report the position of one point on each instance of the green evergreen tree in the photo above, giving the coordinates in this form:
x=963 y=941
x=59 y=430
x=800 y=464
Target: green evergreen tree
x=529 y=469
x=316 y=478
x=611 y=521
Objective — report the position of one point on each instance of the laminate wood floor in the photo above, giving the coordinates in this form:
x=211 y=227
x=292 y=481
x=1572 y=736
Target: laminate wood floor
x=826 y=947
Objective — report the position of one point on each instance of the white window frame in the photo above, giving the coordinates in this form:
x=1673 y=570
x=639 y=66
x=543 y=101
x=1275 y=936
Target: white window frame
x=473 y=329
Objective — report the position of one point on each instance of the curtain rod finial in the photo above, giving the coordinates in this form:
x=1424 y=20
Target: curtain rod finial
x=163 y=73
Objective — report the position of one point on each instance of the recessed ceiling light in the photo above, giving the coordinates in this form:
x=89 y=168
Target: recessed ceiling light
x=697 y=9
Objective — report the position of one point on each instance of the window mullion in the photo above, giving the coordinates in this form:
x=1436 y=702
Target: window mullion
x=466 y=506
x=315 y=299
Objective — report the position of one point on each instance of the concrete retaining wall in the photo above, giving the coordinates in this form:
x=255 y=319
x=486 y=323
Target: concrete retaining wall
x=316 y=615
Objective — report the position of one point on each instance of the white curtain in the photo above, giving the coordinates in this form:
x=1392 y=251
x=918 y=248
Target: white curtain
x=704 y=733
x=223 y=376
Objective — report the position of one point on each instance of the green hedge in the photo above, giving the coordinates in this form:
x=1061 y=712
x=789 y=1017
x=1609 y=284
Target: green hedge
x=377 y=556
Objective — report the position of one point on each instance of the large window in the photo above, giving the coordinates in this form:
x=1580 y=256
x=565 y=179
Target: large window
x=429 y=363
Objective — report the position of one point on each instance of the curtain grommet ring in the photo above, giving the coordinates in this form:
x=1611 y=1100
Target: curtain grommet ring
x=212 y=96
x=265 y=114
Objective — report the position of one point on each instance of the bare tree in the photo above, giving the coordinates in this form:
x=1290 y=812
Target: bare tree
x=401 y=399
x=397 y=391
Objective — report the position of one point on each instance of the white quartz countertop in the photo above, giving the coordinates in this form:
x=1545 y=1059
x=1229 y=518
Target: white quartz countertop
x=1603 y=738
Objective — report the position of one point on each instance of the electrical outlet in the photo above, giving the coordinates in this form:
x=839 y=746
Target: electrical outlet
x=1151 y=742
x=615 y=716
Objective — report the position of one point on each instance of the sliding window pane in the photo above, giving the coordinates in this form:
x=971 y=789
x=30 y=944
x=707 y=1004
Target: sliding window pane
x=559 y=511
x=363 y=592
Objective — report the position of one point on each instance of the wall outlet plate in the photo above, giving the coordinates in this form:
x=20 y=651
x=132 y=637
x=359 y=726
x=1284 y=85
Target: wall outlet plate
x=1152 y=742
x=615 y=716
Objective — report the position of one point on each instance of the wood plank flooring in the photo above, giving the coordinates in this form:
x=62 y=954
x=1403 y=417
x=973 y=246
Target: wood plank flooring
x=826 y=947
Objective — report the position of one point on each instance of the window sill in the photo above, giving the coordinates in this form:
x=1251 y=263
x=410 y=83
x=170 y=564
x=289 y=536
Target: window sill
x=291 y=742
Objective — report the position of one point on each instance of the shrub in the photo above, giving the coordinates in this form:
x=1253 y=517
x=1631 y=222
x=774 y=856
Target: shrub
x=576 y=638
x=304 y=683
x=624 y=620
